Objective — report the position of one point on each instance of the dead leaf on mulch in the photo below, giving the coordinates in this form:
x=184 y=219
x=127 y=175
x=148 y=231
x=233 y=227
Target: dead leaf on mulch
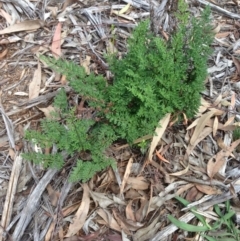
x=200 y=125
x=3 y=53
x=56 y=43
x=6 y=16
x=73 y=238
x=81 y=215
x=122 y=225
x=129 y=211
x=126 y=175
x=205 y=132
x=193 y=194
x=126 y=224
x=148 y=232
x=11 y=153
x=10 y=39
x=23 y=26
x=141 y=213
x=65 y=212
x=34 y=86
x=215 y=126
x=162 y=125
x=180 y=173
x=217 y=161
x=109 y=219
x=103 y=200
x=68 y=3
x=48 y=111
x=208 y=189
x=138 y=183
x=222 y=35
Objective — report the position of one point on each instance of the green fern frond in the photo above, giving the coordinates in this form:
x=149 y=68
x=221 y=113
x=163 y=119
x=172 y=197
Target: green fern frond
x=47 y=160
x=154 y=78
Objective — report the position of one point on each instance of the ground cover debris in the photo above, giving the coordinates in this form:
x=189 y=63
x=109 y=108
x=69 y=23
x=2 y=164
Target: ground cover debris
x=196 y=159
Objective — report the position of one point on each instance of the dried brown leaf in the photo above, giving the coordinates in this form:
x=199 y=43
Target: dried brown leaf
x=109 y=219
x=10 y=39
x=138 y=183
x=205 y=103
x=233 y=100
x=11 y=153
x=200 y=125
x=217 y=29
x=132 y=194
x=180 y=173
x=56 y=43
x=6 y=16
x=222 y=35
x=206 y=131
x=3 y=53
x=81 y=215
x=122 y=225
x=215 y=126
x=126 y=175
x=23 y=26
x=194 y=123
x=218 y=100
x=123 y=16
x=66 y=211
x=225 y=103
x=192 y=194
x=207 y=189
x=142 y=211
x=217 y=111
x=221 y=144
x=184 y=188
x=221 y=126
x=148 y=232
x=127 y=225
x=34 y=86
x=102 y=200
x=48 y=111
x=217 y=161
x=68 y=3
x=162 y=125
x=73 y=238
x=129 y=211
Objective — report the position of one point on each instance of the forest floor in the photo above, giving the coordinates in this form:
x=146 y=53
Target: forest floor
x=132 y=202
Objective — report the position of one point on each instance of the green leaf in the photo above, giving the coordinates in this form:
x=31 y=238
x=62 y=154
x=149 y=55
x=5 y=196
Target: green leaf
x=186 y=226
x=209 y=238
x=193 y=210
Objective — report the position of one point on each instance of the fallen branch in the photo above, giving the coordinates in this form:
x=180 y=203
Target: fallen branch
x=219 y=9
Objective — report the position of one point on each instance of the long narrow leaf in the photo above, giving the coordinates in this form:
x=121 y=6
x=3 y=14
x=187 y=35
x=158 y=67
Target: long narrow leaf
x=198 y=216
x=209 y=238
x=186 y=226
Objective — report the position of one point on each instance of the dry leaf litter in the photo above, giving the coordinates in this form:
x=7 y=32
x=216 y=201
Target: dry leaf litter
x=199 y=159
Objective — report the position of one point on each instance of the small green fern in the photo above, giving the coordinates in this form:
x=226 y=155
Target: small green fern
x=72 y=136
x=154 y=78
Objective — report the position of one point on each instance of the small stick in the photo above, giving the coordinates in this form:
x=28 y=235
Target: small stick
x=219 y=9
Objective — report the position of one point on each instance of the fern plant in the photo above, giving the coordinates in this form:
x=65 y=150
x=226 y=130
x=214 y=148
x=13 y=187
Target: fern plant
x=72 y=135
x=154 y=78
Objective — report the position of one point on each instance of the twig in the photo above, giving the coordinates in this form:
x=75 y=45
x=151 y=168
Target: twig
x=219 y=9
x=32 y=204
x=12 y=188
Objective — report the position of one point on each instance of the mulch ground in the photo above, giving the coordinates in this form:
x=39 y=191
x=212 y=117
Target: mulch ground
x=198 y=160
